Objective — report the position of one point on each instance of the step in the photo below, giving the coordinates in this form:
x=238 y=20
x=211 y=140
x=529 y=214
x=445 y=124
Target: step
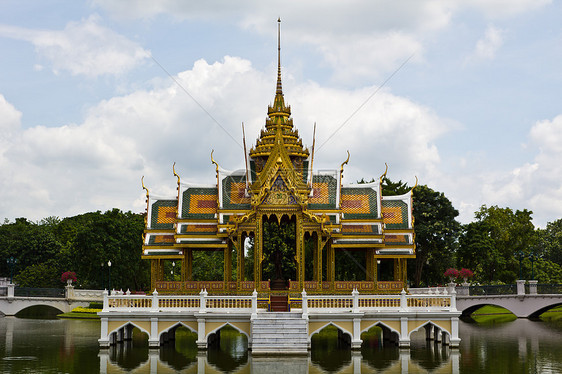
x=279 y=333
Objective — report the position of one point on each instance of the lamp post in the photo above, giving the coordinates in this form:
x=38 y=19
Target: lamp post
x=173 y=267
x=12 y=261
x=102 y=284
x=109 y=273
x=521 y=257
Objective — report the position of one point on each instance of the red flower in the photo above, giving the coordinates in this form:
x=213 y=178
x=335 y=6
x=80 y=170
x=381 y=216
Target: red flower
x=466 y=273
x=68 y=275
x=451 y=273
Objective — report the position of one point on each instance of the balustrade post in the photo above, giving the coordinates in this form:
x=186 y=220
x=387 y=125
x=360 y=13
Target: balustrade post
x=355 y=295
x=154 y=307
x=533 y=287
x=453 y=300
x=304 y=304
x=11 y=288
x=254 y=304
x=105 y=301
x=520 y=287
x=203 y=303
x=69 y=291
x=403 y=301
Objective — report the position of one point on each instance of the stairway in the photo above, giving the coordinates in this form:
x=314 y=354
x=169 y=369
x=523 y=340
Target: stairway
x=279 y=333
x=279 y=303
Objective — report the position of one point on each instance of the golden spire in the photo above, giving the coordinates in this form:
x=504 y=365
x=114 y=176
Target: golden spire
x=279 y=86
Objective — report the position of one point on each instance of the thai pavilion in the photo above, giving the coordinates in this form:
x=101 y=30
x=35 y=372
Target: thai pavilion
x=331 y=222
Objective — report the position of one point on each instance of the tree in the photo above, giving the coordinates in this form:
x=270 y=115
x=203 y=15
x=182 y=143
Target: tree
x=492 y=243
x=549 y=242
x=114 y=236
x=31 y=244
x=436 y=232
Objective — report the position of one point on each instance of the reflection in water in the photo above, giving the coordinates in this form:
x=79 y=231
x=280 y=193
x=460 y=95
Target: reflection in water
x=70 y=346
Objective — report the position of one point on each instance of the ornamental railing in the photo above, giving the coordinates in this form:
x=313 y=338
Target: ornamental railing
x=549 y=289
x=499 y=289
x=309 y=304
x=364 y=303
x=202 y=303
x=39 y=292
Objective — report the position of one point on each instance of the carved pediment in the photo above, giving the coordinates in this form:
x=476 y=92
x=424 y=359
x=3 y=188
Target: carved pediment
x=279 y=194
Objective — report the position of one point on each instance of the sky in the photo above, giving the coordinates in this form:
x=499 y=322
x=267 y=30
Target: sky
x=94 y=95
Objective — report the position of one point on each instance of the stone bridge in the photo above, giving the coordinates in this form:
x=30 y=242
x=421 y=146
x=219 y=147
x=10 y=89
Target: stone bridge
x=10 y=304
x=523 y=301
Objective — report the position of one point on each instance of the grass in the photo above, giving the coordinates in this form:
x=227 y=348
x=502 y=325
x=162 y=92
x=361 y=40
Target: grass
x=489 y=314
x=496 y=314
x=553 y=315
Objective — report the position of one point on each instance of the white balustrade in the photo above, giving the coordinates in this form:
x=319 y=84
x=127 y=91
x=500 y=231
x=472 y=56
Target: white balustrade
x=201 y=303
x=204 y=303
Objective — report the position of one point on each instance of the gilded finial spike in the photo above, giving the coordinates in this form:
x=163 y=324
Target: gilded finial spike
x=279 y=86
x=345 y=162
x=385 y=171
x=415 y=185
x=214 y=162
x=144 y=187
x=175 y=174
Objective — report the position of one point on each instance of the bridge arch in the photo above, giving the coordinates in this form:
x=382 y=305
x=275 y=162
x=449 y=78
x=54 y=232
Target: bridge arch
x=433 y=325
x=332 y=323
x=233 y=325
x=123 y=331
x=473 y=308
x=380 y=324
x=536 y=314
x=24 y=308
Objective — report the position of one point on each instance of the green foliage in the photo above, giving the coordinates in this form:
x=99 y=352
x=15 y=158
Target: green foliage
x=208 y=266
x=436 y=232
x=82 y=243
x=491 y=244
x=280 y=237
x=112 y=236
x=549 y=242
x=42 y=275
x=350 y=265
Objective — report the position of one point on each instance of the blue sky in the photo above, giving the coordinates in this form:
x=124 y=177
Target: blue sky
x=87 y=106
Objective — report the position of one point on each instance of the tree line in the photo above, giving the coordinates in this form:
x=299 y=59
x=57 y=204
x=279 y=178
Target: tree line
x=499 y=246
x=83 y=244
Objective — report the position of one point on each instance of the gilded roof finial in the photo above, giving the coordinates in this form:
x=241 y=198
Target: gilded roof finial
x=279 y=87
x=143 y=187
x=176 y=174
x=214 y=162
x=385 y=170
x=345 y=162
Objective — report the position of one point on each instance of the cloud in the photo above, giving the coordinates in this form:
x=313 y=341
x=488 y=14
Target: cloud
x=361 y=41
x=82 y=48
x=487 y=47
x=97 y=164
x=534 y=185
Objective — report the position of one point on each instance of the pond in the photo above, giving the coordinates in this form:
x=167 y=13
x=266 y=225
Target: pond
x=70 y=346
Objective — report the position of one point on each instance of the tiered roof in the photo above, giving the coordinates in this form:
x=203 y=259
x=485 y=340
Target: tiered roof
x=204 y=216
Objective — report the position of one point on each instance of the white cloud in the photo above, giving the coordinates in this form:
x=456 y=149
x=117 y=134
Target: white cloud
x=82 y=48
x=97 y=164
x=534 y=185
x=487 y=47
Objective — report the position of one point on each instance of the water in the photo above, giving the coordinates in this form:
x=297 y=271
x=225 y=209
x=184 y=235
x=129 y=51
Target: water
x=70 y=346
